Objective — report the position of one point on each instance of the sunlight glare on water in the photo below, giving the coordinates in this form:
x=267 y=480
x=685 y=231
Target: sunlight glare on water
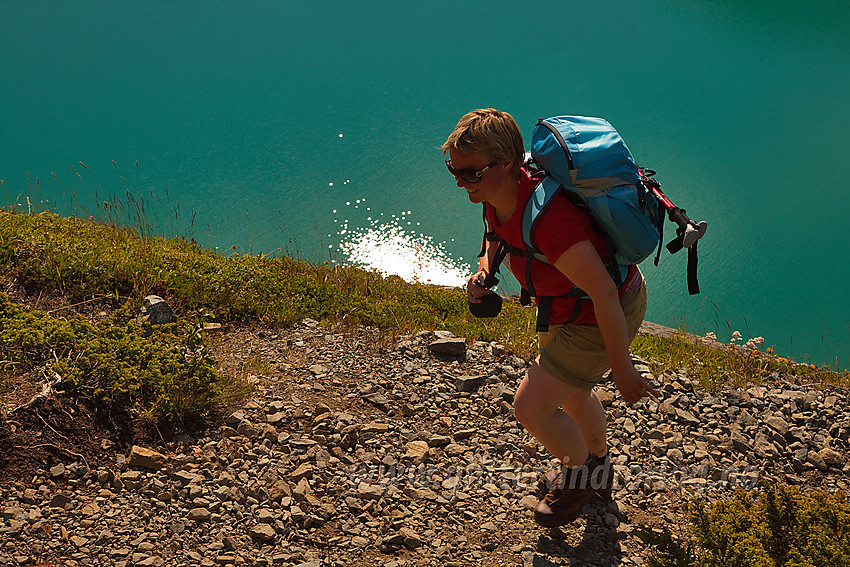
x=390 y=247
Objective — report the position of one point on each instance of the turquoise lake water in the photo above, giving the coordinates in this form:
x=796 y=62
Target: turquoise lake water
x=313 y=129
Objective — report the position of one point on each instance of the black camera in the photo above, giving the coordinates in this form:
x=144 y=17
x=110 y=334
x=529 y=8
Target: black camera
x=491 y=304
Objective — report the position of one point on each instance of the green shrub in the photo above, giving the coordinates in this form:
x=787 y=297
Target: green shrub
x=776 y=526
x=167 y=375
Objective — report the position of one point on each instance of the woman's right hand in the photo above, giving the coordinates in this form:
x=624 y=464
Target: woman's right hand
x=474 y=290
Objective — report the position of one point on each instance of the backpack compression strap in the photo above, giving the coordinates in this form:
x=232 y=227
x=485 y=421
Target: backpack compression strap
x=677 y=244
x=677 y=215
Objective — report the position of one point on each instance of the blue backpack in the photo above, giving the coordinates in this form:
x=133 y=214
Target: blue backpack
x=586 y=160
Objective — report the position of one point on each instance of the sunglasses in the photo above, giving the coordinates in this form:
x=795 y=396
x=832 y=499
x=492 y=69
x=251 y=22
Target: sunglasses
x=468 y=175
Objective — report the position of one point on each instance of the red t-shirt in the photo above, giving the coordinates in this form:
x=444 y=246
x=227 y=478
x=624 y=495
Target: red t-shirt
x=560 y=226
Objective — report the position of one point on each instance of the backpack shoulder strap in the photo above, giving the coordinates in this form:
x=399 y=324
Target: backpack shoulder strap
x=540 y=198
x=484 y=239
x=502 y=250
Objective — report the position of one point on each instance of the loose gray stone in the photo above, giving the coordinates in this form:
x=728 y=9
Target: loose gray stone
x=468 y=383
x=777 y=424
x=464 y=434
x=741 y=442
x=302 y=490
x=417 y=450
x=156 y=311
x=305 y=470
x=676 y=456
x=59 y=501
x=370 y=491
x=199 y=514
x=378 y=400
x=815 y=459
x=446 y=462
x=411 y=538
x=831 y=457
x=687 y=417
x=276 y=417
x=147 y=458
x=448 y=347
x=318 y=370
x=439 y=440
x=79 y=541
x=247 y=429
x=488 y=527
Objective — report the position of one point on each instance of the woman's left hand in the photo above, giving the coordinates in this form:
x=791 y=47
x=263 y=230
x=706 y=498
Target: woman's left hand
x=633 y=386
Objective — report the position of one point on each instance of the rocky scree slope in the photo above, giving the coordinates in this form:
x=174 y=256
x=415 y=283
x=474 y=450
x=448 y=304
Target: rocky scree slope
x=353 y=450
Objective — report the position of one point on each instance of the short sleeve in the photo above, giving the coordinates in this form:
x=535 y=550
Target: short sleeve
x=561 y=227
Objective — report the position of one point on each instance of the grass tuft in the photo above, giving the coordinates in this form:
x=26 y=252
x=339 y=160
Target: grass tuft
x=82 y=259
x=714 y=365
x=164 y=373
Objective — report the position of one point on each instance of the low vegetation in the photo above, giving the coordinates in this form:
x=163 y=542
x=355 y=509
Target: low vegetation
x=714 y=365
x=164 y=373
x=775 y=526
x=83 y=259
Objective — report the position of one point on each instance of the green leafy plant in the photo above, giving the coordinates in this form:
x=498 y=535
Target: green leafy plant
x=168 y=375
x=775 y=526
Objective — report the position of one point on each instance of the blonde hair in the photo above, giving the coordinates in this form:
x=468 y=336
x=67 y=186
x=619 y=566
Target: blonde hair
x=491 y=132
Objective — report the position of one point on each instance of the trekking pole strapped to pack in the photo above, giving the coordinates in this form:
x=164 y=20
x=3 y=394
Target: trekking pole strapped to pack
x=586 y=160
x=690 y=231
x=687 y=233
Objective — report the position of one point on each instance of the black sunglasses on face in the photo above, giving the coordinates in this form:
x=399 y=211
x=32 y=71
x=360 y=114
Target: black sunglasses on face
x=468 y=175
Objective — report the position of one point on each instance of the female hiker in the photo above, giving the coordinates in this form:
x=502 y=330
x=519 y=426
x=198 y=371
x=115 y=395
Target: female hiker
x=555 y=401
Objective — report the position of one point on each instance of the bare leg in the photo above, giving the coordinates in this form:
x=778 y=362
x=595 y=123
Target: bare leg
x=589 y=415
x=569 y=434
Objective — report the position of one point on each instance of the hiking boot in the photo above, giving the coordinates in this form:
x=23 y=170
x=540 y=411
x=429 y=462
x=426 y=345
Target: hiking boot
x=602 y=479
x=571 y=489
x=546 y=482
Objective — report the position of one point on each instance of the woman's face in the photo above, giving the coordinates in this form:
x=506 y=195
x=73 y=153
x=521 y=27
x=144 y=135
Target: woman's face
x=478 y=174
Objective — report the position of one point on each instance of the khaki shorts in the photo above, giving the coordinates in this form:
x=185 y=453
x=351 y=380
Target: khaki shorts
x=575 y=354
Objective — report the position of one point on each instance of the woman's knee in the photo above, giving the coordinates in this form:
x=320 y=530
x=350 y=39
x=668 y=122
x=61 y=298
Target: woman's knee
x=526 y=406
x=538 y=396
x=523 y=406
